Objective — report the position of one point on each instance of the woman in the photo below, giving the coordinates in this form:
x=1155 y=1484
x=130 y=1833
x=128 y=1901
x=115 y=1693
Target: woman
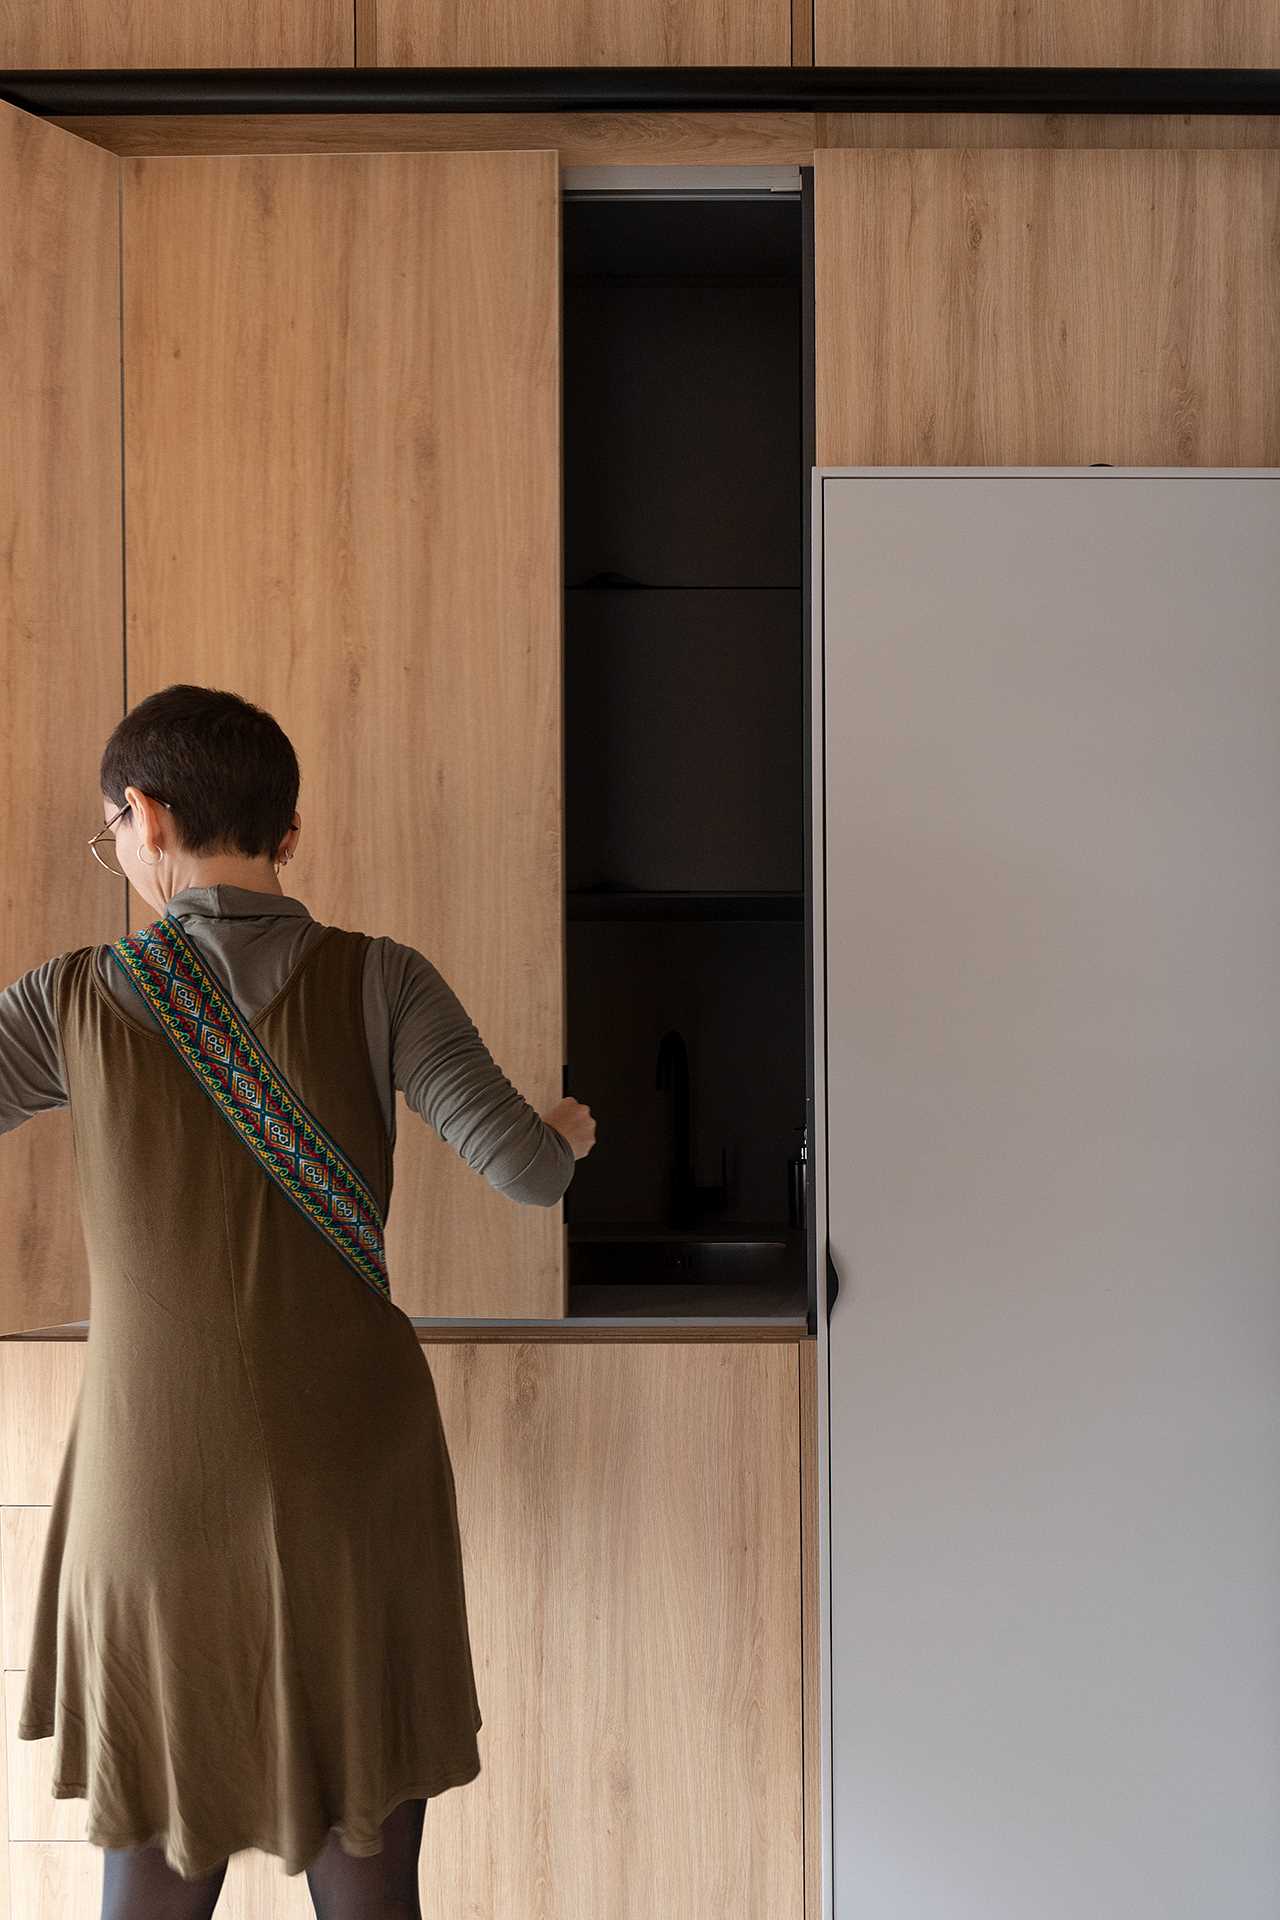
x=251 y=1626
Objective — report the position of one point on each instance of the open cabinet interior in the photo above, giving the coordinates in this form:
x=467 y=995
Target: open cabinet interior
x=684 y=771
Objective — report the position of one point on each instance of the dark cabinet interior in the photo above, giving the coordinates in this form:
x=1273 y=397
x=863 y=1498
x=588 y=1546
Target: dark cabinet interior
x=685 y=476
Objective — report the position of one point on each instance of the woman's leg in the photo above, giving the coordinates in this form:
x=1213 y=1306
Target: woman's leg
x=381 y=1886
x=139 y=1884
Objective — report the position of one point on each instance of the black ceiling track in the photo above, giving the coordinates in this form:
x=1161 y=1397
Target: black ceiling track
x=118 y=90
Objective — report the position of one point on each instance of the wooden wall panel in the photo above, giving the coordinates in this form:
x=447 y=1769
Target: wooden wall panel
x=61 y=669
x=1046 y=33
x=177 y=33
x=1032 y=130
x=632 y=1537
x=1048 y=307
x=573 y=33
x=342 y=424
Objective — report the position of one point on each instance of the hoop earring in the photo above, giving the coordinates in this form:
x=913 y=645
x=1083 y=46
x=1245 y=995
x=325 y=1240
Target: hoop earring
x=159 y=853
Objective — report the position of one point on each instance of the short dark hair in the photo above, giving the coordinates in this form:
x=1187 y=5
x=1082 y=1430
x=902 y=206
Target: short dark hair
x=225 y=767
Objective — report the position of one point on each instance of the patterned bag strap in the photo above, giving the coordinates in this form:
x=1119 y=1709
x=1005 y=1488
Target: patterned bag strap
x=196 y=1012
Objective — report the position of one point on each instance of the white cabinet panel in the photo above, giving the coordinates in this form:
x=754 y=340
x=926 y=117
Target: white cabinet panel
x=1050 y=795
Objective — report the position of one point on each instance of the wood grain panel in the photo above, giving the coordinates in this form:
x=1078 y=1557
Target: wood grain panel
x=39 y=1383
x=62 y=1880
x=689 y=139
x=52 y=1880
x=1045 y=130
x=6 y=1900
x=22 y=1537
x=160 y=33
x=1048 y=307
x=631 y=1531
x=573 y=33
x=60 y=601
x=582 y=139
x=1046 y=33
x=35 y=1812
x=810 y=1610
x=342 y=425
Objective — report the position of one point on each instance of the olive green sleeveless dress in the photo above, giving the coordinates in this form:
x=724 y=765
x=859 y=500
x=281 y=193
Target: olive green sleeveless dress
x=250 y=1623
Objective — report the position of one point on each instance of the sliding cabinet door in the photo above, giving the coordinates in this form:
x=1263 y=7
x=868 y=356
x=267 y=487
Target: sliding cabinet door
x=1052 y=833
x=342 y=461
x=61 y=667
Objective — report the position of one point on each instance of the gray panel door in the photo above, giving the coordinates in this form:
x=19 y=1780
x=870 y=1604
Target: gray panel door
x=1051 y=788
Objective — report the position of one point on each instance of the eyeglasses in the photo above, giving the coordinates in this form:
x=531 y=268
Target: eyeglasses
x=108 y=860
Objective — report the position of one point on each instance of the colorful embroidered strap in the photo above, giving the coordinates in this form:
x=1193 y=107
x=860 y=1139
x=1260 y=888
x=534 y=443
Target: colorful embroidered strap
x=207 y=1028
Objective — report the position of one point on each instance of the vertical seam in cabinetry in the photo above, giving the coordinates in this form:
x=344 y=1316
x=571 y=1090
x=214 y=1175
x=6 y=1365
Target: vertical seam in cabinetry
x=804 y=1661
x=124 y=565
x=826 y=1624
x=808 y=432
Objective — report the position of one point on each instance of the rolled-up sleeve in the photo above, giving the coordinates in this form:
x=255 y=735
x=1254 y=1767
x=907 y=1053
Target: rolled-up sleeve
x=31 y=1070
x=448 y=1076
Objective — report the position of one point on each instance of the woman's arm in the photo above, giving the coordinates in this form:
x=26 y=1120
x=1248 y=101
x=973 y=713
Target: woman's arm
x=31 y=1073
x=449 y=1077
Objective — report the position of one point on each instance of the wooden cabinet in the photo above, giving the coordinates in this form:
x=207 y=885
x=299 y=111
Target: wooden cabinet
x=1047 y=306
x=341 y=497
x=579 y=33
x=638 y=1598
x=593 y=33
x=156 y=33
x=347 y=418
x=1050 y=33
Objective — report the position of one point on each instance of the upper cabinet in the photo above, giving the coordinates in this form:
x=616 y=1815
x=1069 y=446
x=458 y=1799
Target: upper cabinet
x=157 y=33
x=393 y=33
x=1045 y=33
x=1047 y=307
x=573 y=33
x=636 y=33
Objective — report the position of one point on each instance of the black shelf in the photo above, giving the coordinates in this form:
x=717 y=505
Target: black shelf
x=603 y=904
x=674 y=586
x=725 y=1233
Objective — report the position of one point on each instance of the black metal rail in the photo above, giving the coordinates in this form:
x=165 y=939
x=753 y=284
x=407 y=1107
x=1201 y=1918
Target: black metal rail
x=117 y=90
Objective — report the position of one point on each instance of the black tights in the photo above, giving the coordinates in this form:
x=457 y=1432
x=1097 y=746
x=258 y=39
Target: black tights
x=139 y=1884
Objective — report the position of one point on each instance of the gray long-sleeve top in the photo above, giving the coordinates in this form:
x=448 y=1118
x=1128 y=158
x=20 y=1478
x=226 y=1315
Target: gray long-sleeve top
x=421 y=1039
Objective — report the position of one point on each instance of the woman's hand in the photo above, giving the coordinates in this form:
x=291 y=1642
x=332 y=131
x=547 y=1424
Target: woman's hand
x=573 y=1119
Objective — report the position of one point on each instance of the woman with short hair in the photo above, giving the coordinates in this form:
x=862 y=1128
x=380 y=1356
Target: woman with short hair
x=250 y=1625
